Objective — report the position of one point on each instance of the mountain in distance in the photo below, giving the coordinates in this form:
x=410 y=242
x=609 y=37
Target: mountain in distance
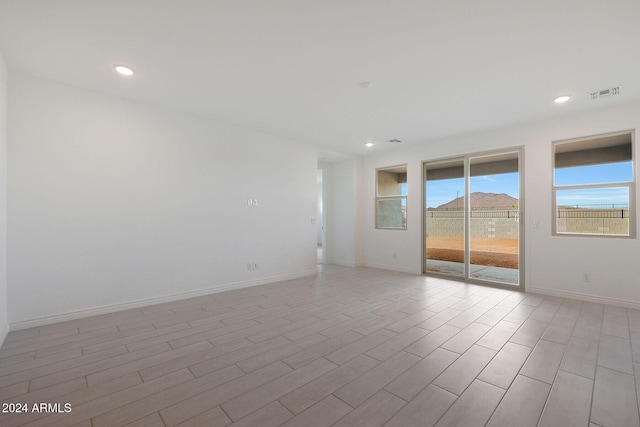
x=481 y=200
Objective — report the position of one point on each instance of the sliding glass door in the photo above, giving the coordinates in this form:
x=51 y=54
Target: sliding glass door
x=472 y=217
x=444 y=217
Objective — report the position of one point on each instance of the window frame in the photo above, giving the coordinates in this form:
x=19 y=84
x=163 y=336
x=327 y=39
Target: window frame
x=379 y=198
x=630 y=185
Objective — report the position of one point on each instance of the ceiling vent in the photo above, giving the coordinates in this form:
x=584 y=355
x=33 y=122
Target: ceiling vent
x=605 y=93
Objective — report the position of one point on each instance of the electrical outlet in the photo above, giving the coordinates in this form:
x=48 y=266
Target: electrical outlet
x=586 y=277
x=249 y=267
x=256 y=266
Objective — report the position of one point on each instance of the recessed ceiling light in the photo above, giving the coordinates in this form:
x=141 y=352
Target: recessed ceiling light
x=368 y=144
x=561 y=99
x=123 y=69
x=364 y=85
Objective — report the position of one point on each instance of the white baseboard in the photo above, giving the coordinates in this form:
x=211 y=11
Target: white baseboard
x=343 y=263
x=584 y=297
x=391 y=267
x=4 y=332
x=48 y=320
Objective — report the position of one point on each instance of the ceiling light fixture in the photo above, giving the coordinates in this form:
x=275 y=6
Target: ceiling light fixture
x=123 y=69
x=368 y=144
x=561 y=99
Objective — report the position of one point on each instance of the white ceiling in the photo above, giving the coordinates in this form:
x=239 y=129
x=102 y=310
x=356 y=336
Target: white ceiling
x=292 y=67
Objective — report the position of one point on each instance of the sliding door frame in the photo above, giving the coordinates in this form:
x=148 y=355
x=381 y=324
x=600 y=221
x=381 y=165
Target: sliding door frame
x=467 y=220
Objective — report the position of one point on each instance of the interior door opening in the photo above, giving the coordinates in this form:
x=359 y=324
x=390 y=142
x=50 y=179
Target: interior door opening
x=320 y=218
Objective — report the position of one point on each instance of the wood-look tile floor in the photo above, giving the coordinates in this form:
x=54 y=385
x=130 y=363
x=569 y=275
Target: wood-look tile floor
x=351 y=347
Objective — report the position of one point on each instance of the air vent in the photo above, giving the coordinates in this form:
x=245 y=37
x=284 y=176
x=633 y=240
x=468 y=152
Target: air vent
x=394 y=141
x=605 y=93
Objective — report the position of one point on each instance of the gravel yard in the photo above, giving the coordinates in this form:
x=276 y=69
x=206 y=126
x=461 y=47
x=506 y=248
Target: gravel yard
x=484 y=251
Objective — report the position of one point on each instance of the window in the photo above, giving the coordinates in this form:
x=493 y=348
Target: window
x=594 y=186
x=391 y=198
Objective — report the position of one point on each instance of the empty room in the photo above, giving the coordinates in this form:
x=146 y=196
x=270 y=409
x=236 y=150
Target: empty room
x=304 y=213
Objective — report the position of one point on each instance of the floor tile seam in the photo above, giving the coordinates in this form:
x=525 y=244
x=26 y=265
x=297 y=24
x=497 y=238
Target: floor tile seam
x=617 y=370
x=176 y=321
x=213 y=346
x=136 y=421
x=284 y=316
x=194 y=416
x=64 y=345
x=346 y=403
x=102 y=396
x=372 y=368
x=134 y=339
x=402 y=398
x=41 y=328
x=627 y=340
x=341 y=324
x=197 y=320
x=498 y=350
x=332 y=370
x=275 y=336
x=37 y=339
x=141 y=359
x=271 y=401
x=579 y=375
x=22 y=369
x=260 y=408
x=30 y=379
x=512 y=380
x=474 y=378
x=458 y=397
x=501 y=398
x=564 y=351
x=190 y=332
x=197 y=394
x=107 y=394
x=583 y=338
x=123 y=330
x=223 y=355
x=536 y=379
x=289 y=409
x=570 y=334
x=593 y=389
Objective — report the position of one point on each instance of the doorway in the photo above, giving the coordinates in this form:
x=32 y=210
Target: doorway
x=320 y=217
x=472 y=217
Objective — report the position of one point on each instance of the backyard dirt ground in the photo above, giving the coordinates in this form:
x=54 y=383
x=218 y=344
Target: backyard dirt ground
x=484 y=251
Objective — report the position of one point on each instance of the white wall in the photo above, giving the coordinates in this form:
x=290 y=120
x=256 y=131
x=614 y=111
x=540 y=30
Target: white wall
x=4 y=325
x=553 y=265
x=112 y=202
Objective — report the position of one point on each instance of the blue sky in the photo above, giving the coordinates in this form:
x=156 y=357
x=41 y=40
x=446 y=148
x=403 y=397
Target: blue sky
x=594 y=174
x=443 y=191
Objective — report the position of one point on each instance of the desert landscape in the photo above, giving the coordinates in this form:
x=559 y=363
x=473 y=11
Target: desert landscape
x=492 y=252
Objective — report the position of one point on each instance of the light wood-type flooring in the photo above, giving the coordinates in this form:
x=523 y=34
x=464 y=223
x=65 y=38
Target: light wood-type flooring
x=349 y=347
